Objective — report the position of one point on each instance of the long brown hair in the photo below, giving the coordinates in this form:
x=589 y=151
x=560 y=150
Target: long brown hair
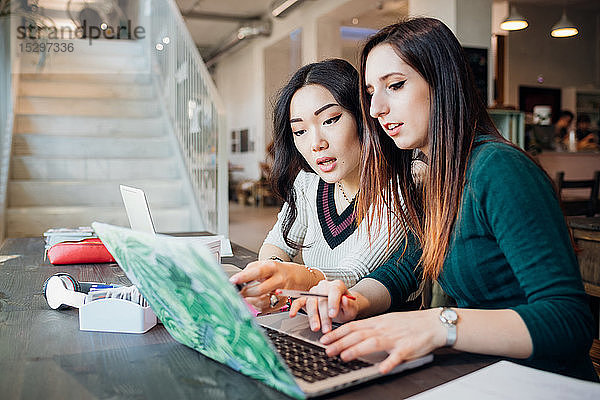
x=457 y=115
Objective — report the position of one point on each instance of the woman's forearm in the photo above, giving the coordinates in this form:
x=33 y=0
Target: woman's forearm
x=268 y=250
x=494 y=332
x=372 y=296
x=295 y=276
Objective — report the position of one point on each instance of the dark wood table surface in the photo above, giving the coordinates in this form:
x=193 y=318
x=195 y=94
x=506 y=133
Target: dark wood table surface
x=44 y=355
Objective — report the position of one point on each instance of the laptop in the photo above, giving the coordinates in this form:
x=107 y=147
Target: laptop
x=140 y=219
x=189 y=292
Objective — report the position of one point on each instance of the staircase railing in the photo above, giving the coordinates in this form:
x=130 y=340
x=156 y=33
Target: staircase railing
x=6 y=116
x=193 y=106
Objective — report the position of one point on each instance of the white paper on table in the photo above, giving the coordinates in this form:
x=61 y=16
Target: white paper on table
x=507 y=380
x=10 y=257
x=226 y=250
x=207 y=240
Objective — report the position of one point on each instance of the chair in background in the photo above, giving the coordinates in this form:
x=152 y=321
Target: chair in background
x=263 y=192
x=579 y=206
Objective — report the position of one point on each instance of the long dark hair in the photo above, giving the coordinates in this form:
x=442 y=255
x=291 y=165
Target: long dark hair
x=340 y=78
x=457 y=115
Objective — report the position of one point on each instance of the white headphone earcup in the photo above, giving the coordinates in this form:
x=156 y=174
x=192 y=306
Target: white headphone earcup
x=59 y=291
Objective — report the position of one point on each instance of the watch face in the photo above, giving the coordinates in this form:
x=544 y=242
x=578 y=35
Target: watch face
x=449 y=315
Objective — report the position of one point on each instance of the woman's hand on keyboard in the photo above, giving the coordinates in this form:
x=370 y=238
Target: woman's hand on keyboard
x=404 y=335
x=323 y=311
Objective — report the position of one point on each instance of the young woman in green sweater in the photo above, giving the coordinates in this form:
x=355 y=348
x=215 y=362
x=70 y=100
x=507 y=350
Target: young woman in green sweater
x=487 y=224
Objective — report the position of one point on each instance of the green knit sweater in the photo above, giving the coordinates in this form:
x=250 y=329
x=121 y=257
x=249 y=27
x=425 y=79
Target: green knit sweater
x=511 y=249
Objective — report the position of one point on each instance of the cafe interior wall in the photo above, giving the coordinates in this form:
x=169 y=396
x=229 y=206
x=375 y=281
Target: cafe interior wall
x=241 y=90
x=280 y=60
x=241 y=75
x=534 y=58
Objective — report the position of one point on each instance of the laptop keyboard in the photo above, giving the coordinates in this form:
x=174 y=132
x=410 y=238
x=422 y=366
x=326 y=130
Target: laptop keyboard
x=308 y=361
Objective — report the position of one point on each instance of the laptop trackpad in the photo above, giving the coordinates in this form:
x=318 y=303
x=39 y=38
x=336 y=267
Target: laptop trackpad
x=299 y=327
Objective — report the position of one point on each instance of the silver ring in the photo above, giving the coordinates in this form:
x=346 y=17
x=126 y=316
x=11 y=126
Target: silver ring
x=273 y=300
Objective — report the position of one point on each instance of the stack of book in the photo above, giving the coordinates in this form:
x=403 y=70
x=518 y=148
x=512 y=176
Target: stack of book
x=213 y=243
x=59 y=235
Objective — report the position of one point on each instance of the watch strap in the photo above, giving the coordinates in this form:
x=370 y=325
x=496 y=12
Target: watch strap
x=450 y=335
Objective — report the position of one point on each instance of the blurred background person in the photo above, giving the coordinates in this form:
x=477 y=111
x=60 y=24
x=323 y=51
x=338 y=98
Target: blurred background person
x=587 y=139
x=561 y=127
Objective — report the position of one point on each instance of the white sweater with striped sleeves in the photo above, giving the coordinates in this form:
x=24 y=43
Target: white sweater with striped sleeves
x=333 y=243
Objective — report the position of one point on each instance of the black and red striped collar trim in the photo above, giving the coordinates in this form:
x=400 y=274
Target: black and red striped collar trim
x=336 y=228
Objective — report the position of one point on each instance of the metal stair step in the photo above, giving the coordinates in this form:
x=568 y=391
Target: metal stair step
x=92 y=107
x=107 y=78
x=104 y=193
x=91 y=64
x=95 y=147
x=115 y=169
x=86 y=125
x=89 y=90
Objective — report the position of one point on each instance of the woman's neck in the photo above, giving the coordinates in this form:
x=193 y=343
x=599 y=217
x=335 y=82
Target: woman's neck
x=350 y=183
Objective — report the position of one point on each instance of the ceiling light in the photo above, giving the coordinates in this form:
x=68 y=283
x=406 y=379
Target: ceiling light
x=564 y=27
x=514 y=21
x=280 y=7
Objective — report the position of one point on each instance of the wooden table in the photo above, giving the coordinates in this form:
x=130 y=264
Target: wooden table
x=43 y=354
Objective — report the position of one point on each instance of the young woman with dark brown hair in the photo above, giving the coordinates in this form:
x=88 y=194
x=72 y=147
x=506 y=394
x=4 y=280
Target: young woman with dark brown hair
x=487 y=224
x=316 y=149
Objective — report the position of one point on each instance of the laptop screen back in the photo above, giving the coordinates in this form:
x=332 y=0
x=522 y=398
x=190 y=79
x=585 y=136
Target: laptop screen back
x=189 y=292
x=137 y=209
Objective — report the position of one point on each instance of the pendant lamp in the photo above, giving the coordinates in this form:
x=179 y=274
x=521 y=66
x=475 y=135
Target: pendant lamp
x=564 y=27
x=514 y=21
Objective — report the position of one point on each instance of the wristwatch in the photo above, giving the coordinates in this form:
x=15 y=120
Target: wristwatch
x=449 y=318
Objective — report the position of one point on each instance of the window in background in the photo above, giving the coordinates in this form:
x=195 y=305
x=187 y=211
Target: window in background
x=241 y=142
x=234 y=142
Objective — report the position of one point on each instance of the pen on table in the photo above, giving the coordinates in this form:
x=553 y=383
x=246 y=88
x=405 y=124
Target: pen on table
x=299 y=293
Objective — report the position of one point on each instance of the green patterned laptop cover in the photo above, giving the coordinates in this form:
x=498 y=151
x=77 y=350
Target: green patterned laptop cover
x=189 y=292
